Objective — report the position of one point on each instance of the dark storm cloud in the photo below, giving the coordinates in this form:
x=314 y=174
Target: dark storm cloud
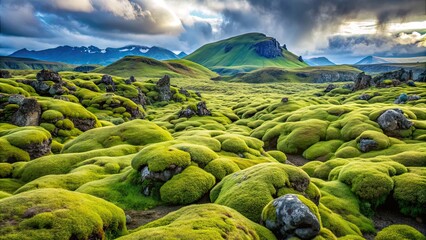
x=196 y=34
x=304 y=18
x=363 y=45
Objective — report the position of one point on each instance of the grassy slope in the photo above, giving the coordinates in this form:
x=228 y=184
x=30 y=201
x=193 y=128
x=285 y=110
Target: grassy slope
x=274 y=74
x=242 y=57
x=148 y=67
x=28 y=64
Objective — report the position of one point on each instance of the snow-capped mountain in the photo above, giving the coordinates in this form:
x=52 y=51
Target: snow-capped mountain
x=94 y=55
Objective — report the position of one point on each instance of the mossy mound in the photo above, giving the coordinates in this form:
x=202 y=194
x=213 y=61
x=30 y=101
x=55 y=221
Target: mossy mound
x=137 y=132
x=340 y=209
x=206 y=221
x=24 y=143
x=249 y=190
x=188 y=186
x=371 y=181
x=59 y=214
x=410 y=193
x=399 y=232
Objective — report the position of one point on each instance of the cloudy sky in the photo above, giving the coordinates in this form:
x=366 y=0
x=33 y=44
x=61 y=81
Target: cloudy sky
x=343 y=30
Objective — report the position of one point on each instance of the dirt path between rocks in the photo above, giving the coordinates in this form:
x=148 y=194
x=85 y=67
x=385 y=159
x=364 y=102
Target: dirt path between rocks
x=296 y=160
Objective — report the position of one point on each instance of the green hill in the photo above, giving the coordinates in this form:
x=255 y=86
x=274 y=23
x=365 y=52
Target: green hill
x=32 y=64
x=244 y=53
x=148 y=67
x=318 y=74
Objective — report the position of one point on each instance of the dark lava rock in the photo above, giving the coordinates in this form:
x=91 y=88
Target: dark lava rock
x=163 y=88
x=153 y=177
x=84 y=68
x=393 y=120
x=28 y=114
x=284 y=99
x=48 y=75
x=366 y=145
x=269 y=48
x=401 y=98
x=184 y=92
x=300 y=59
x=140 y=99
x=16 y=99
x=292 y=218
x=411 y=83
x=107 y=80
x=200 y=110
x=414 y=97
x=362 y=81
x=365 y=97
x=284 y=47
x=36 y=150
x=83 y=124
x=401 y=75
x=421 y=77
x=330 y=87
x=5 y=74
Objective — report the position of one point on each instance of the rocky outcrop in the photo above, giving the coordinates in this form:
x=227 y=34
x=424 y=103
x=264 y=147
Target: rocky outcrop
x=48 y=75
x=329 y=88
x=403 y=98
x=269 y=48
x=162 y=176
x=36 y=150
x=366 y=145
x=130 y=80
x=332 y=76
x=107 y=80
x=28 y=114
x=393 y=120
x=140 y=98
x=362 y=81
x=200 y=110
x=84 y=68
x=300 y=58
x=289 y=217
x=5 y=74
x=421 y=77
x=83 y=124
x=163 y=88
x=400 y=75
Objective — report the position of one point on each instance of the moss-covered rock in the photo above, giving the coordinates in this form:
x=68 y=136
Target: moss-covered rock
x=59 y=214
x=206 y=221
x=399 y=232
x=137 y=132
x=410 y=193
x=248 y=191
x=187 y=187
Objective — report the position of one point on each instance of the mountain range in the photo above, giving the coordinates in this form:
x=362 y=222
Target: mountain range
x=379 y=60
x=319 y=61
x=95 y=55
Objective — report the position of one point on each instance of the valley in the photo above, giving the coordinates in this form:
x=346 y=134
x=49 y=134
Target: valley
x=241 y=139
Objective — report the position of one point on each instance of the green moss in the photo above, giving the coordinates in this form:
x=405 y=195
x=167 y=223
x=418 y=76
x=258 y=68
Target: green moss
x=323 y=171
x=4 y=194
x=381 y=139
x=187 y=187
x=124 y=190
x=410 y=193
x=322 y=150
x=200 y=154
x=371 y=181
x=52 y=116
x=399 y=232
x=137 y=132
x=11 y=154
x=206 y=221
x=64 y=163
x=23 y=136
x=221 y=167
x=235 y=145
x=311 y=166
x=158 y=157
x=249 y=190
x=278 y=155
x=5 y=170
x=57 y=213
x=340 y=209
x=347 y=152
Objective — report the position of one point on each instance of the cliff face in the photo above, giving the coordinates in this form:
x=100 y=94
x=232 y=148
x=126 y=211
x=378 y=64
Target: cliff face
x=269 y=48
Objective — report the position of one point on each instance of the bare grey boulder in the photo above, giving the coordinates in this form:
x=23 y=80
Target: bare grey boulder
x=28 y=114
x=287 y=216
x=393 y=120
x=163 y=88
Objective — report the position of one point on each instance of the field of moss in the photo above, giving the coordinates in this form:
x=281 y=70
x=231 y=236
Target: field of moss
x=109 y=154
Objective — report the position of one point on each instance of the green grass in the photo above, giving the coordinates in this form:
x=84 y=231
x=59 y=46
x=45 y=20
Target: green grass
x=148 y=67
x=242 y=57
